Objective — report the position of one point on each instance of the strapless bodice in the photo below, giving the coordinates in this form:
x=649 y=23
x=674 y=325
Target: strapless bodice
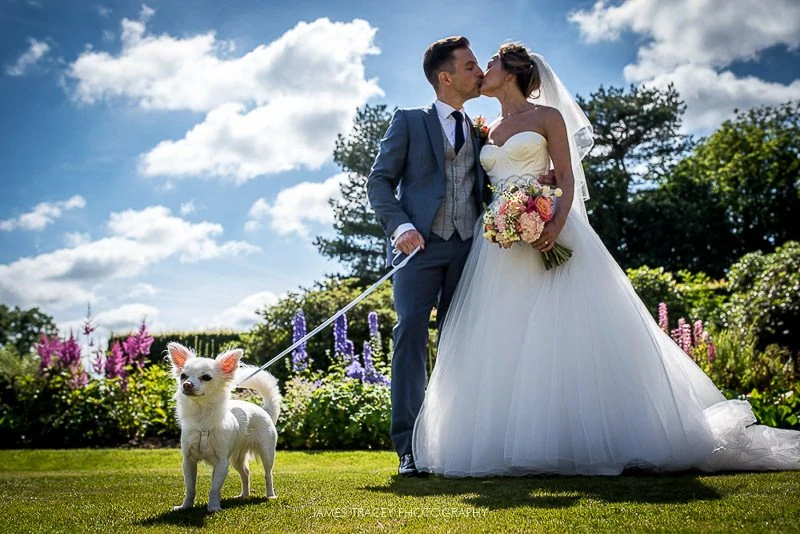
x=523 y=155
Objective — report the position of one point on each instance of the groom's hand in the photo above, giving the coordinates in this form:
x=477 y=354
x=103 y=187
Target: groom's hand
x=547 y=179
x=408 y=241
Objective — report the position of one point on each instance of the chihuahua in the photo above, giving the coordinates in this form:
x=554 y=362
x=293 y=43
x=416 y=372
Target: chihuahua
x=218 y=429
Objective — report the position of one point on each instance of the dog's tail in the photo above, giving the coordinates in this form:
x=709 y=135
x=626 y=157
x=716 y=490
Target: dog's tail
x=265 y=385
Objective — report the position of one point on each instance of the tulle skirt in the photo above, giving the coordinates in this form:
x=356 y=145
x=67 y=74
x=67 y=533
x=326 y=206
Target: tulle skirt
x=565 y=371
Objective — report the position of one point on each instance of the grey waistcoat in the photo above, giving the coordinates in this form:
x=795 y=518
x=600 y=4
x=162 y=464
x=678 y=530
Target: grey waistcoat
x=458 y=210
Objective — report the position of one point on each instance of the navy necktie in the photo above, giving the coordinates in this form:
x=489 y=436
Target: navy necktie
x=459 y=130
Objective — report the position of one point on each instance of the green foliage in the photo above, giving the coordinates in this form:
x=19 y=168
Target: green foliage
x=765 y=302
x=274 y=333
x=679 y=225
x=780 y=409
x=740 y=367
x=12 y=365
x=334 y=412
x=359 y=243
x=688 y=295
x=47 y=411
x=22 y=328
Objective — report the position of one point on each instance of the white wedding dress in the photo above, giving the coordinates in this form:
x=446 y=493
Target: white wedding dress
x=565 y=371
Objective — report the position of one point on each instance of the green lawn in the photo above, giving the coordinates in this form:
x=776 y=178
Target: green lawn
x=134 y=490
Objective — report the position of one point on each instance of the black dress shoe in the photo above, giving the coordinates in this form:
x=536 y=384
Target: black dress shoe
x=408 y=468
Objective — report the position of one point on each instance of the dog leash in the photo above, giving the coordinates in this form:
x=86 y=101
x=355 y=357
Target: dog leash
x=336 y=315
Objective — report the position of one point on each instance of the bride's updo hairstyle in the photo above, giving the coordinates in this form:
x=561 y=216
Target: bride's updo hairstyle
x=517 y=60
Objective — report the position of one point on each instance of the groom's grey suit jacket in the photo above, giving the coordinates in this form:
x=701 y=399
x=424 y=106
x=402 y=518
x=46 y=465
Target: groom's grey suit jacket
x=411 y=160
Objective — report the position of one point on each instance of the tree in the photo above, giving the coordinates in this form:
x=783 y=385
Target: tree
x=637 y=142
x=752 y=165
x=22 y=328
x=737 y=193
x=359 y=242
x=679 y=225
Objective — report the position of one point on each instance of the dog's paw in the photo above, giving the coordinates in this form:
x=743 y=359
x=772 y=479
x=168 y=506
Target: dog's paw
x=273 y=496
x=179 y=508
x=213 y=508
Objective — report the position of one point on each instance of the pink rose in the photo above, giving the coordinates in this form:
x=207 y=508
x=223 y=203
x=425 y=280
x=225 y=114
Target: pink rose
x=531 y=226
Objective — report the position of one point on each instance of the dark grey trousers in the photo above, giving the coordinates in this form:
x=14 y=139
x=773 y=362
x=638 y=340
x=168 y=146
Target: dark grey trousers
x=427 y=281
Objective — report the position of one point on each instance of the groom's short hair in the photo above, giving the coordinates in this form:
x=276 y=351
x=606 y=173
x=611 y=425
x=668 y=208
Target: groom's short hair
x=439 y=57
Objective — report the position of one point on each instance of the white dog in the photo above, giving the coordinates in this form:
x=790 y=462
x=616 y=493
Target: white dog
x=216 y=428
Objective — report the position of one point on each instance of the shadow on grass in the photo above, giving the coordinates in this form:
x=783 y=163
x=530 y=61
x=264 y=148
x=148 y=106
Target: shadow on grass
x=556 y=492
x=196 y=517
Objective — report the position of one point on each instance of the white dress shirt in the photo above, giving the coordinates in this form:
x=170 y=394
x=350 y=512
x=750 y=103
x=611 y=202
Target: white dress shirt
x=445 y=113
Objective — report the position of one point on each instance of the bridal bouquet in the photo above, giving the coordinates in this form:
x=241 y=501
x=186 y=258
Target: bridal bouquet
x=520 y=216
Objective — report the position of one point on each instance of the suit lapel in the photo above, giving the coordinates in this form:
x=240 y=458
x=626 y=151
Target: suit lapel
x=435 y=134
x=480 y=176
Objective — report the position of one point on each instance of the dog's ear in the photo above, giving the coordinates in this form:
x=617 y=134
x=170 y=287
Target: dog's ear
x=178 y=354
x=229 y=361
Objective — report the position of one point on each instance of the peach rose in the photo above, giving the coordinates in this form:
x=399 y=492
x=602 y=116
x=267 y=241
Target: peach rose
x=544 y=207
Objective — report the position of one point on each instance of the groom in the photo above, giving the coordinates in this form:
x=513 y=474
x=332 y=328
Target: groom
x=430 y=156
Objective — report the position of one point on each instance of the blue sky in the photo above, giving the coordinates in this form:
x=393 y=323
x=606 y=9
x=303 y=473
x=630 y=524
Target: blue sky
x=171 y=160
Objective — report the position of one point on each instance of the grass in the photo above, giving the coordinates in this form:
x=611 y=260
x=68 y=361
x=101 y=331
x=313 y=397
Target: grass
x=134 y=490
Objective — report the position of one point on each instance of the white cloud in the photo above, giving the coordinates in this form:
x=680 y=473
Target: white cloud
x=143 y=289
x=243 y=315
x=137 y=240
x=188 y=208
x=35 y=52
x=74 y=239
x=104 y=11
x=691 y=43
x=277 y=107
x=296 y=206
x=43 y=214
x=127 y=317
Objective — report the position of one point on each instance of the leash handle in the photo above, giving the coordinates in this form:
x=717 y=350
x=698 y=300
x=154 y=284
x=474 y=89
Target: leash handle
x=336 y=315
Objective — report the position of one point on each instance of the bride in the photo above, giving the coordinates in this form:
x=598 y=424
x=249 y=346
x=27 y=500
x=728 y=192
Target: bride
x=565 y=371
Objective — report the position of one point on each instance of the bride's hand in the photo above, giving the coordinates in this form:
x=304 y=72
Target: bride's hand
x=549 y=235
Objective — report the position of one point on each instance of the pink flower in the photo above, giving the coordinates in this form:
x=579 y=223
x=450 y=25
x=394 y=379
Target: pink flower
x=685 y=336
x=500 y=224
x=531 y=226
x=698 y=331
x=663 y=322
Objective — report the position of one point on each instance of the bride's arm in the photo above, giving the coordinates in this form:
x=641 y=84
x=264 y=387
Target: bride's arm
x=558 y=145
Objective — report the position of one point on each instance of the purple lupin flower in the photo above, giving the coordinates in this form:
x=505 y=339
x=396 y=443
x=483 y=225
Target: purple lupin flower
x=355 y=370
x=372 y=320
x=663 y=321
x=115 y=362
x=340 y=335
x=300 y=354
x=371 y=375
x=368 y=365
